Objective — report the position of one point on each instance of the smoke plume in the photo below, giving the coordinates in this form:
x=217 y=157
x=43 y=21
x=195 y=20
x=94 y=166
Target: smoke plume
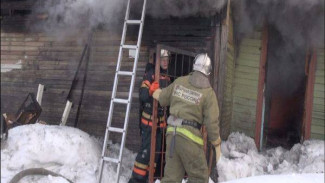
x=294 y=27
x=184 y=8
x=76 y=15
x=298 y=21
x=71 y=16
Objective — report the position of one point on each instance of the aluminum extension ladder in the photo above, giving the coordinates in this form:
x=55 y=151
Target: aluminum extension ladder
x=127 y=102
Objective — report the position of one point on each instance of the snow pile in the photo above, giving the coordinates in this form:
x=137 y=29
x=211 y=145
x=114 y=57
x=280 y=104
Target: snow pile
x=63 y=150
x=294 y=178
x=76 y=156
x=241 y=158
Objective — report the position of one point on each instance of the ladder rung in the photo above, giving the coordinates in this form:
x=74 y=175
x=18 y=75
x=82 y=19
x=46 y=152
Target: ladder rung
x=113 y=129
x=111 y=160
x=133 y=21
x=125 y=73
x=130 y=46
x=121 y=101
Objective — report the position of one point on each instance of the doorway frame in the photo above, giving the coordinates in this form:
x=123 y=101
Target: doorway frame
x=260 y=88
x=309 y=96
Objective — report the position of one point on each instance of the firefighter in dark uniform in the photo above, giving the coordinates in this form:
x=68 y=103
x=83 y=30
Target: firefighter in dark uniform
x=141 y=164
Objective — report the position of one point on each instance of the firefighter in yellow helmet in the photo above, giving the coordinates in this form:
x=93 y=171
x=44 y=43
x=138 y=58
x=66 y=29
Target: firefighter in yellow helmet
x=192 y=103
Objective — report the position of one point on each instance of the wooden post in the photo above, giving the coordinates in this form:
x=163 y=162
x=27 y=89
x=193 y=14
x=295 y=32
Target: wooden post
x=39 y=95
x=223 y=57
x=154 y=121
x=309 y=96
x=261 y=83
x=66 y=113
x=216 y=57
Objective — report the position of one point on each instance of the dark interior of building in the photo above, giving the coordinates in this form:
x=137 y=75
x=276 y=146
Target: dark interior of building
x=284 y=91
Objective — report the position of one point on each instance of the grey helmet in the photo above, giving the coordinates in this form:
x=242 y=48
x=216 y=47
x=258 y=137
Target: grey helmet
x=202 y=63
x=164 y=53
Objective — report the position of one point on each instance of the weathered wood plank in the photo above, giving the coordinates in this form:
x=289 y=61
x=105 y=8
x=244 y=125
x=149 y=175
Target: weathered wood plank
x=318 y=136
x=319 y=88
x=246 y=69
x=244 y=101
x=317 y=129
x=251 y=57
x=251 y=42
x=249 y=76
x=248 y=82
x=248 y=63
x=318 y=107
x=250 y=50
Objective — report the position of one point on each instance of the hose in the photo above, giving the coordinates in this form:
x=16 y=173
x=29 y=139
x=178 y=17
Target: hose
x=35 y=171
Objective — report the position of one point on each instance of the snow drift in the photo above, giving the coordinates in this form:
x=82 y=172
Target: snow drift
x=64 y=150
x=241 y=158
x=75 y=155
x=294 y=178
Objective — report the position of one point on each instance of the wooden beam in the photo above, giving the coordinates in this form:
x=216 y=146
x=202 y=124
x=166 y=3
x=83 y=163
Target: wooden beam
x=154 y=121
x=216 y=58
x=309 y=97
x=177 y=50
x=223 y=57
x=261 y=83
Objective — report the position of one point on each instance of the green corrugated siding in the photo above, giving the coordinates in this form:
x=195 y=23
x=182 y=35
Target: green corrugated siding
x=318 y=115
x=245 y=85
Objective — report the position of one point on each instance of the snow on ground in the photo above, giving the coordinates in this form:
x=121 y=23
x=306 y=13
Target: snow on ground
x=293 y=178
x=75 y=155
x=64 y=150
x=240 y=158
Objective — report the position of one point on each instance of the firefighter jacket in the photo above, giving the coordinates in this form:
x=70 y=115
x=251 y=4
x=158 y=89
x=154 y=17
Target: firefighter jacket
x=193 y=104
x=145 y=98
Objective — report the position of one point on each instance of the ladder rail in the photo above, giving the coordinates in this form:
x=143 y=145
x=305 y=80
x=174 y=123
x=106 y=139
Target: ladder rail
x=109 y=118
x=126 y=121
x=120 y=54
x=113 y=98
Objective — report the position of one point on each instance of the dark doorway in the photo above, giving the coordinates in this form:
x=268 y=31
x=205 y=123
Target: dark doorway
x=284 y=91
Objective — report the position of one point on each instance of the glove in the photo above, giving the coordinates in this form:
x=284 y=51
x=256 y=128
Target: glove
x=218 y=152
x=153 y=87
x=217 y=146
x=156 y=94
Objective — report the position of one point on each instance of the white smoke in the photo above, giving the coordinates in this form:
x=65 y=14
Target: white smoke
x=184 y=8
x=299 y=21
x=66 y=16
x=75 y=15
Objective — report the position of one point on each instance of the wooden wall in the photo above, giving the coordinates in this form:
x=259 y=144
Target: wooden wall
x=193 y=34
x=227 y=103
x=318 y=115
x=245 y=85
x=52 y=61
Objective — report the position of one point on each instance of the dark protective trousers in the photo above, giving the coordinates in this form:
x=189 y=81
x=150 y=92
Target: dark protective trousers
x=141 y=165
